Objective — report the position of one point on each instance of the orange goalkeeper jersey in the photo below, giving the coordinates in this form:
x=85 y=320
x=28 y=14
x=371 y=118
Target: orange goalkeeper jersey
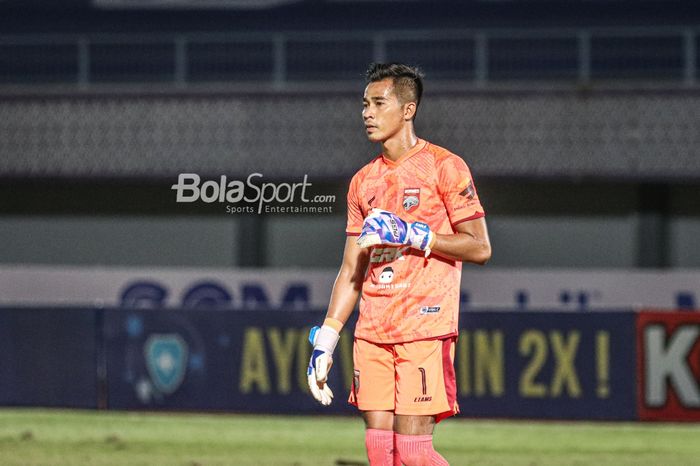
x=405 y=296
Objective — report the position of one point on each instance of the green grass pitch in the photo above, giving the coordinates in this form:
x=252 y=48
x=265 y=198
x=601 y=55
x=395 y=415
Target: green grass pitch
x=39 y=437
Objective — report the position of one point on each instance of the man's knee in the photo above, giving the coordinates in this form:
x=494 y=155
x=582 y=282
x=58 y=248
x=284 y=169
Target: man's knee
x=414 y=425
x=383 y=420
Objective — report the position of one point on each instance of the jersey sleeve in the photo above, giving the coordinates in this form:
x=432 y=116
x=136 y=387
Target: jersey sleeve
x=458 y=191
x=355 y=217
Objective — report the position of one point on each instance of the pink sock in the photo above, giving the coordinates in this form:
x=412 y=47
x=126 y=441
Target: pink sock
x=417 y=450
x=397 y=458
x=380 y=447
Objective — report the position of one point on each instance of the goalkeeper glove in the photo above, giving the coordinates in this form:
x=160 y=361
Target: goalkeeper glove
x=324 y=339
x=384 y=227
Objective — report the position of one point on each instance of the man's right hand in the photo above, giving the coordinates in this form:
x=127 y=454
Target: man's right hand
x=324 y=340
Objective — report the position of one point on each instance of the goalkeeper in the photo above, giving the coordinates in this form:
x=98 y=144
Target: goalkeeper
x=413 y=217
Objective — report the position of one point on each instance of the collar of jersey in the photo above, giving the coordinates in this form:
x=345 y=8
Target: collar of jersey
x=411 y=152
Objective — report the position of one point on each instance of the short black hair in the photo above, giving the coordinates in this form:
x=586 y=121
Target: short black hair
x=408 y=80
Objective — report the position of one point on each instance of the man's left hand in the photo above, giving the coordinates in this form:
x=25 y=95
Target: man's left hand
x=384 y=227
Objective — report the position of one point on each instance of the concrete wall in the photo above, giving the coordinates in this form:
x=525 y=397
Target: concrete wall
x=642 y=135
x=530 y=224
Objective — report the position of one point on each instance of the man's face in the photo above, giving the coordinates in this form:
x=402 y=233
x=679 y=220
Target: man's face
x=382 y=112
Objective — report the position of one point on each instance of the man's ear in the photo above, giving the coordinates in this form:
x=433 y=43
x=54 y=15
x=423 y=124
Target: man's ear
x=409 y=110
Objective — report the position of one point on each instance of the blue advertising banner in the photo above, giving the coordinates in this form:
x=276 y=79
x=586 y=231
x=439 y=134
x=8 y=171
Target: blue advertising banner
x=48 y=357
x=508 y=364
x=547 y=365
x=212 y=360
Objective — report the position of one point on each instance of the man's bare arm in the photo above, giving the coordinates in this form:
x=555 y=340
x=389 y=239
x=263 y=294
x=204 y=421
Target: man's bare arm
x=348 y=283
x=470 y=244
x=346 y=290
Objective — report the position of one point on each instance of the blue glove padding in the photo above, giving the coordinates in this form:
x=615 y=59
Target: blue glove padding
x=384 y=227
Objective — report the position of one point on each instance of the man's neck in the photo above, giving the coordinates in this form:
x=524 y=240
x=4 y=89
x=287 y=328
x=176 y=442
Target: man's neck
x=398 y=145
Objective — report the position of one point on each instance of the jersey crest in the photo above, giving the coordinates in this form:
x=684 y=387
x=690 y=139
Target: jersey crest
x=411 y=199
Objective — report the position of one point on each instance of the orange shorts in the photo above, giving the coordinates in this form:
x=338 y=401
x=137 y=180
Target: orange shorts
x=413 y=378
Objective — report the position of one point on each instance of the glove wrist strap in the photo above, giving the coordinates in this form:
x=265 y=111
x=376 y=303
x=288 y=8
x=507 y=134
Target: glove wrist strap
x=327 y=339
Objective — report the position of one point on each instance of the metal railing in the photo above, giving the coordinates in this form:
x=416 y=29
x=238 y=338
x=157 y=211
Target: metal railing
x=471 y=57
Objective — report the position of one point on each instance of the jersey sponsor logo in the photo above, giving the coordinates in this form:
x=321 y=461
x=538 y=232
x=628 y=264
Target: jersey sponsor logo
x=380 y=255
x=430 y=309
x=391 y=286
x=411 y=199
x=387 y=275
x=469 y=191
x=422 y=399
